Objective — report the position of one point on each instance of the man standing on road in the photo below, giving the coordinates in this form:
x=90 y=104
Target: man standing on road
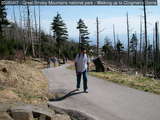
x=82 y=67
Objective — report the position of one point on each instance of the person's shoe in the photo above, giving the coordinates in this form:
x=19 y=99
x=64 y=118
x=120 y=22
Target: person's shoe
x=85 y=91
x=77 y=89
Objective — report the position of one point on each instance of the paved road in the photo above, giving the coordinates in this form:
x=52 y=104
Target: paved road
x=105 y=100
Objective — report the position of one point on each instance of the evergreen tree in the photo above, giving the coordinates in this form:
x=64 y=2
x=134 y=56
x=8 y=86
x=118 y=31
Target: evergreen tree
x=6 y=47
x=108 y=48
x=83 y=34
x=133 y=47
x=120 y=48
x=60 y=32
x=3 y=19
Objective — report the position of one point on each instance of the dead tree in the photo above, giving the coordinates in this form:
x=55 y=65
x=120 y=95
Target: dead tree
x=140 y=49
x=157 y=43
x=25 y=34
x=115 y=42
x=97 y=21
x=30 y=37
x=20 y=23
x=128 y=39
x=114 y=36
x=157 y=53
x=15 y=36
x=39 y=31
x=154 y=50
x=145 y=36
x=35 y=23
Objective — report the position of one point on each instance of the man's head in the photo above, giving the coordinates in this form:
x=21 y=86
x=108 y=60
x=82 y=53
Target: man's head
x=83 y=50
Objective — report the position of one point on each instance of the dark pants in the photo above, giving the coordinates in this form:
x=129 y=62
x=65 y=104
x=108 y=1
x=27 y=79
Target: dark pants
x=85 y=87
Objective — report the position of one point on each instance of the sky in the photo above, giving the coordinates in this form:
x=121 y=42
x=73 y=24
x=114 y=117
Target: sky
x=108 y=15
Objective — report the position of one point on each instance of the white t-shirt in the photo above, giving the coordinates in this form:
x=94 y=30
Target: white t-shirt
x=81 y=61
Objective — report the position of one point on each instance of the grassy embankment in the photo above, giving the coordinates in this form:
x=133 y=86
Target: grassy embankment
x=22 y=82
x=134 y=81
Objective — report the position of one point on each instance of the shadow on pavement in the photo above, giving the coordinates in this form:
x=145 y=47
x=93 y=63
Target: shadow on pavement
x=71 y=93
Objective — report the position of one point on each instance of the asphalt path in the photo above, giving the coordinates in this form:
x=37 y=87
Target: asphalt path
x=105 y=100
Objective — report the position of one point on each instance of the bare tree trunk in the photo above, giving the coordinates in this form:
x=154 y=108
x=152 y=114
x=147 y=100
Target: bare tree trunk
x=30 y=37
x=15 y=26
x=39 y=31
x=136 y=53
x=114 y=36
x=146 y=45
x=128 y=39
x=157 y=43
x=20 y=17
x=140 y=38
x=32 y=43
x=154 y=51
x=25 y=33
x=28 y=25
x=118 y=51
x=97 y=36
x=35 y=23
x=20 y=23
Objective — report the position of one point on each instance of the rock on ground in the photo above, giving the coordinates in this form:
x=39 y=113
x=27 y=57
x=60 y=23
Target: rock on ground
x=20 y=111
x=5 y=116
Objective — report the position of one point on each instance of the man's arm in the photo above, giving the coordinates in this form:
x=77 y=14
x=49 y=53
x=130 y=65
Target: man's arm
x=88 y=63
x=88 y=67
x=75 y=64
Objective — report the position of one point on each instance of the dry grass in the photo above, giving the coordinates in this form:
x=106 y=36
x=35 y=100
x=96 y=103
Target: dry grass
x=133 y=81
x=24 y=82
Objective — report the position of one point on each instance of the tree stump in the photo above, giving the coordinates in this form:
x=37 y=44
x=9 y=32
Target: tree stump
x=99 y=65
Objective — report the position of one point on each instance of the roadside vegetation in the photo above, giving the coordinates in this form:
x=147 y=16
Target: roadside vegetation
x=134 y=81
